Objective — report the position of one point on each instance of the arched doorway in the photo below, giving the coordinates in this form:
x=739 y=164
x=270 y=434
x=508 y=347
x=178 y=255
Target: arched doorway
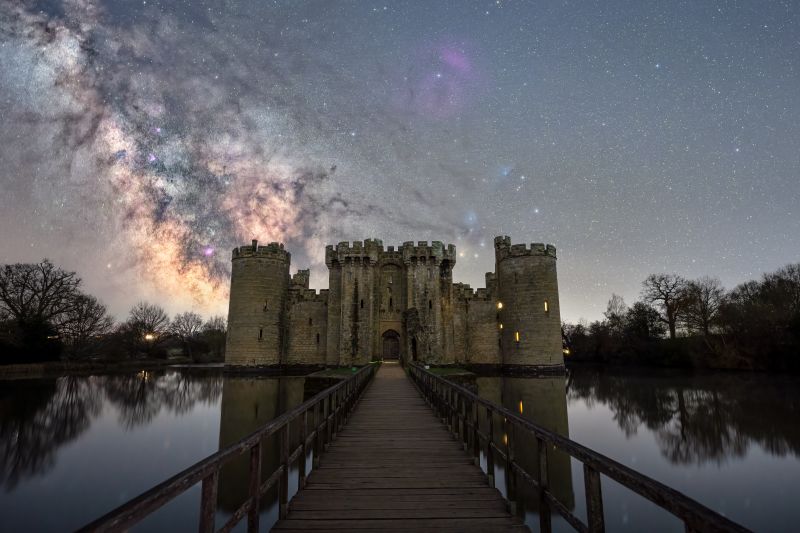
x=391 y=344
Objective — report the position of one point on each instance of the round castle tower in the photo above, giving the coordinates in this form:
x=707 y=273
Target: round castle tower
x=258 y=299
x=528 y=312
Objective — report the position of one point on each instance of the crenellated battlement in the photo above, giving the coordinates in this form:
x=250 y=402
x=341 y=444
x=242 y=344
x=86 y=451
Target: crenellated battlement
x=370 y=249
x=462 y=291
x=301 y=279
x=308 y=295
x=503 y=249
x=273 y=250
x=436 y=252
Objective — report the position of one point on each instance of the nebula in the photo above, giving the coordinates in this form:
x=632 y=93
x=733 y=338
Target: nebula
x=187 y=167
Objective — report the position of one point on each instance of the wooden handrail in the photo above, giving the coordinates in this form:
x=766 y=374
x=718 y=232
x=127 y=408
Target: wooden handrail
x=446 y=397
x=336 y=402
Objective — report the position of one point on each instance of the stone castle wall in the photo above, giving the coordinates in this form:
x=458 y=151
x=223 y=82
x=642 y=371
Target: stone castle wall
x=405 y=293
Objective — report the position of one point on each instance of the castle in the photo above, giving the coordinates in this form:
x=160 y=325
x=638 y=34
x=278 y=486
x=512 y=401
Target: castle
x=387 y=303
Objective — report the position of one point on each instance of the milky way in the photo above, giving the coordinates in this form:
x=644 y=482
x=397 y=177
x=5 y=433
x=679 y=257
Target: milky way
x=141 y=141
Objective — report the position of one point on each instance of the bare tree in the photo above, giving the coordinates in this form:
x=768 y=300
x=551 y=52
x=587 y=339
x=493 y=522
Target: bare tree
x=667 y=292
x=147 y=326
x=186 y=326
x=87 y=319
x=214 y=331
x=704 y=297
x=37 y=292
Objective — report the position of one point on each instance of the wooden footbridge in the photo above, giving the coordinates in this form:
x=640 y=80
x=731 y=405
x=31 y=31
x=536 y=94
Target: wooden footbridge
x=397 y=451
x=395 y=466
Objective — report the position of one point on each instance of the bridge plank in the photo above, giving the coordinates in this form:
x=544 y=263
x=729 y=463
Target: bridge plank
x=394 y=466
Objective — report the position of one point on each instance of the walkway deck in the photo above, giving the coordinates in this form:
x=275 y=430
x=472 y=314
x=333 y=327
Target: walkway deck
x=395 y=466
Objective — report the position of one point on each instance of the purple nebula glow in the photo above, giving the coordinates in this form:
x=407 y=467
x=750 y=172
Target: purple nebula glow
x=208 y=251
x=456 y=59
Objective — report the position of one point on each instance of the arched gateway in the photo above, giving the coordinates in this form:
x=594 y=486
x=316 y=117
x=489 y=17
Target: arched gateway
x=391 y=344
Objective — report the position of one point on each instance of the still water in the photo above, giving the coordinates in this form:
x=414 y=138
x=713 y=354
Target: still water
x=73 y=448
x=730 y=441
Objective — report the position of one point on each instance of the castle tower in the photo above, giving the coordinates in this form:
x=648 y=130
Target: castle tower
x=353 y=310
x=258 y=300
x=429 y=283
x=527 y=304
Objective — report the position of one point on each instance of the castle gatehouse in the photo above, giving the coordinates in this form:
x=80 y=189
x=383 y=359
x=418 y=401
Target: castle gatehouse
x=395 y=303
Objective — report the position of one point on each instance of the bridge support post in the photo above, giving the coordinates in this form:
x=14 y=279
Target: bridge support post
x=545 y=525
x=594 y=499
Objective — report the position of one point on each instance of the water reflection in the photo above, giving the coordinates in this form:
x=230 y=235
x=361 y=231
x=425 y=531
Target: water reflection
x=248 y=404
x=38 y=417
x=541 y=400
x=699 y=419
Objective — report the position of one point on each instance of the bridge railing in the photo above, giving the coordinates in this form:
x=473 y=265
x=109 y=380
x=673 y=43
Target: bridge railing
x=328 y=411
x=461 y=410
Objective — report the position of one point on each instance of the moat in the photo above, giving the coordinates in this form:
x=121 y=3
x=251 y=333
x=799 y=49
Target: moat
x=80 y=446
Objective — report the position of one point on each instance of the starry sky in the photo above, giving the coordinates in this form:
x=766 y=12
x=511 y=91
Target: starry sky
x=141 y=141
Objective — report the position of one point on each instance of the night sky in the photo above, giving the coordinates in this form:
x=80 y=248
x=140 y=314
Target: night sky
x=140 y=141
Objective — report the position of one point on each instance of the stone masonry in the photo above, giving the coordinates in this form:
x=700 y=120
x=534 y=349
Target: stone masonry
x=395 y=303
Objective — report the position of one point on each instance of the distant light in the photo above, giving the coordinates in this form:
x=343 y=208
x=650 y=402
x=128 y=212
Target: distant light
x=566 y=351
x=516 y=336
x=501 y=326
x=546 y=306
x=499 y=305
x=520 y=407
x=505 y=439
x=149 y=337
x=208 y=251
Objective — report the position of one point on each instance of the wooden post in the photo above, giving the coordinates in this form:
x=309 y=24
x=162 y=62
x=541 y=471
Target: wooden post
x=464 y=426
x=511 y=474
x=208 y=502
x=545 y=525
x=489 y=450
x=283 y=486
x=336 y=398
x=301 y=462
x=318 y=435
x=594 y=499
x=255 y=486
x=476 y=438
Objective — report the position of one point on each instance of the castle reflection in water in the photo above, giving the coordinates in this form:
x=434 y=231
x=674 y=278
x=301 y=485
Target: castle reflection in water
x=139 y=428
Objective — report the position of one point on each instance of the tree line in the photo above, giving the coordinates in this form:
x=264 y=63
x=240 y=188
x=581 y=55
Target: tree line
x=681 y=322
x=44 y=315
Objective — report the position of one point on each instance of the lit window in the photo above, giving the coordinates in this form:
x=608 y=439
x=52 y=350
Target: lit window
x=499 y=305
x=516 y=336
x=520 y=407
x=546 y=307
x=501 y=326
